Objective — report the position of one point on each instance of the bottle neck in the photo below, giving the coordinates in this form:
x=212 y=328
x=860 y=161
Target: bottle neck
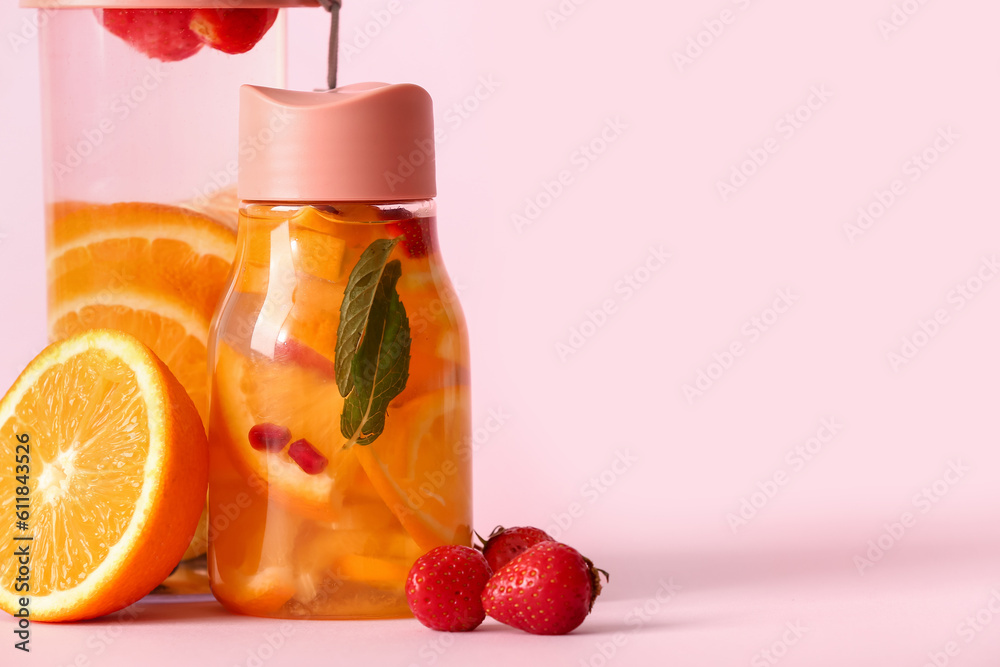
x=266 y=213
x=322 y=238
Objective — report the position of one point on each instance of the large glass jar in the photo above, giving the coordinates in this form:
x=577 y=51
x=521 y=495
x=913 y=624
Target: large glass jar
x=318 y=523
x=139 y=103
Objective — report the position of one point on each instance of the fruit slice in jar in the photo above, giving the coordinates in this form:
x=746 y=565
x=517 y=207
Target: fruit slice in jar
x=296 y=267
x=387 y=573
x=253 y=391
x=319 y=549
x=349 y=224
x=413 y=467
x=315 y=314
x=116 y=466
x=418 y=240
x=176 y=332
x=166 y=250
x=265 y=592
x=254 y=552
x=437 y=359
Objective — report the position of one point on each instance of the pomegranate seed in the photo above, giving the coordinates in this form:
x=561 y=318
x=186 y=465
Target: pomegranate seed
x=269 y=437
x=303 y=453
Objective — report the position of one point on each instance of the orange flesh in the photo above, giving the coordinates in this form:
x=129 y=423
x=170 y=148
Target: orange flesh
x=151 y=270
x=105 y=446
x=116 y=471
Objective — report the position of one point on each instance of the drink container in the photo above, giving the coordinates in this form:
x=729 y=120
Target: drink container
x=340 y=439
x=139 y=101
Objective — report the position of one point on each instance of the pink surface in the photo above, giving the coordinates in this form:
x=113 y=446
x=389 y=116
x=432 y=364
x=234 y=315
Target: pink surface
x=166 y=3
x=687 y=607
x=728 y=270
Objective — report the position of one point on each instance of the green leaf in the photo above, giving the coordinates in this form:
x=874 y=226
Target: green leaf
x=355 y=309
x=381 y=365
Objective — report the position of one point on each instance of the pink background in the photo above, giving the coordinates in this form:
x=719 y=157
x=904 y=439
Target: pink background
x=880 y=100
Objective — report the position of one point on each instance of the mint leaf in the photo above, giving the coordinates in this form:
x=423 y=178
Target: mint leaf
x=380 y=367
x=359 y=296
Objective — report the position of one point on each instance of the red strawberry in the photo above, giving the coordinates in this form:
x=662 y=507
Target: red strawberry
x=417 y=238
x=232 y=30
x=444 y=588
x=504 y=544
x=547 y=590
x=159 y=33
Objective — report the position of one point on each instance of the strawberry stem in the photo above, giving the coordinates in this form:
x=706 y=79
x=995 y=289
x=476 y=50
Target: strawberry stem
x=479 y=547
x=595 y=580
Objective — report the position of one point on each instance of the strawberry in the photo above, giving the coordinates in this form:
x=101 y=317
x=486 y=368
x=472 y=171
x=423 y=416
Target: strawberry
x=159 y=33
x=504 y=544
x=232 y=30
x=417 y=238
x=444 y=587
x=547 y=590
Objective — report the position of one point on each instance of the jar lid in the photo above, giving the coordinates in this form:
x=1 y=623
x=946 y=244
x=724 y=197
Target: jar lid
x=165 y=4
x=364 y=142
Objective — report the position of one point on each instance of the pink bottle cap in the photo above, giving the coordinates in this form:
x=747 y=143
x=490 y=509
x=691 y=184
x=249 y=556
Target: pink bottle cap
x=364 y=142
x=166 y=4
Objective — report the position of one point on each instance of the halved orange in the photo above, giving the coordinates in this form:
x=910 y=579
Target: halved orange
x=116 y=473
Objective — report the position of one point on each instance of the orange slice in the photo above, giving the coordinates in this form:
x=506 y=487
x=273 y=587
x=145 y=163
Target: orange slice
x=378 y=572
x=261 y=594
x=414 y=468
x=298 y=269
x=116 y=476
x=303 y=399
x=99 y=250
x=173 y=330
x=261 y=575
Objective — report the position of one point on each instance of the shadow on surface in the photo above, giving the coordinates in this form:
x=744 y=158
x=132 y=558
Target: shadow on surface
x=602 y=626
x=159 y=608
